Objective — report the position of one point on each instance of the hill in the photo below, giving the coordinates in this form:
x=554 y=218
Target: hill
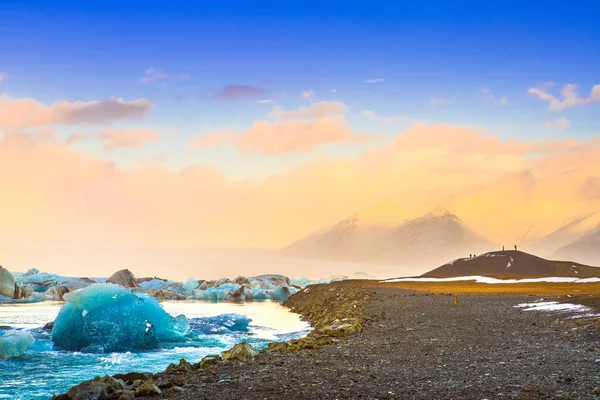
x=511 y=264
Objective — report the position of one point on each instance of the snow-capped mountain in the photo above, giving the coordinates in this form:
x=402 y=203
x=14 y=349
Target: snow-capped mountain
x=381 y=235
x=568 y=233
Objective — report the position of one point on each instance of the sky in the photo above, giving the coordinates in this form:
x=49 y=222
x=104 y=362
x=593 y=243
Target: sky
x=238 y=123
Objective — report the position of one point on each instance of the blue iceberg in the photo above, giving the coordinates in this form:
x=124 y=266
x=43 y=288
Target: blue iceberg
x=106 y=318
x=14 y=343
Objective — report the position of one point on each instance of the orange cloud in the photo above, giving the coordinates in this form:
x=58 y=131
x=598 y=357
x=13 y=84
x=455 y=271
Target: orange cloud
x=56 y=197
x=298 y=131
x=113 y=139
x=29 y=112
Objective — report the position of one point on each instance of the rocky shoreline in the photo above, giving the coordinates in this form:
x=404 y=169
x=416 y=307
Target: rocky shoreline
x=376 y=342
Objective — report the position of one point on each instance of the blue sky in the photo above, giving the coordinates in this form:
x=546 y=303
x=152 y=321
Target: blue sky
x=434 y=58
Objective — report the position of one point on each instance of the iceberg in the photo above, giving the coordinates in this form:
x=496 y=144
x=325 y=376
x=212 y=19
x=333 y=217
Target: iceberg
x=14 y=343
x=110 y=318
x=190 y=285
x=8 y=287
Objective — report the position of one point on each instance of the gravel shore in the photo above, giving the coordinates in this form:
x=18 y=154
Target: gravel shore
x=416 y=346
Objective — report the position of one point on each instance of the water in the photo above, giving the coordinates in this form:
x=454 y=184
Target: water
x=42 y=371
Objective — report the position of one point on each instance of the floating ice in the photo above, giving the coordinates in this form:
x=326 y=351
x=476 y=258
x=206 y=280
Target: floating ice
x=220 y=324
x=14 y=343
x=190 y=285
x=116 y=320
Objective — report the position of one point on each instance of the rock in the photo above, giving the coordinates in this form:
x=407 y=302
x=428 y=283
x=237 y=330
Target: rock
x=241 y=351
x=203 y=285
x=209 y=361
x=183 y=367
x=175 y=390
x=124 y=278
x=148 y=388
x=131 y=377
x=280 y=347
x=127 y=395
x=8 y=287
x=237 y=295
x=107 y=388
x=48 y=326
x=340 y=328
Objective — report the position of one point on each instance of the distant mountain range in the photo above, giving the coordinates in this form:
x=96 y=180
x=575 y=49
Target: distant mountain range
x=512 y=264
x=369 y=236
x=382 y=235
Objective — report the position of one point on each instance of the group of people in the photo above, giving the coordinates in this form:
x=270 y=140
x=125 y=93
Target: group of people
x=475 y=255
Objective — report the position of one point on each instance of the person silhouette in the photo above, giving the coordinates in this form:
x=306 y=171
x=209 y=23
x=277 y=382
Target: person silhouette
x=502 y=248
x=515 y=247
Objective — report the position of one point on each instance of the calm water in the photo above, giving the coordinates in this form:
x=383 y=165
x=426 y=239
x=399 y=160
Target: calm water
x=42 y=371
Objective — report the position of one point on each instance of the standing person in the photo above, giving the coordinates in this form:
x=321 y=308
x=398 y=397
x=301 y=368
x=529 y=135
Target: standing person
x=502 y=248
x=515 y=247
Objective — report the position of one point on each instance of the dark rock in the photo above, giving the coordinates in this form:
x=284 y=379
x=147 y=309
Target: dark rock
x=124 y=278
x=131 y=377
x=148 y=388
x=241 y=351
x=106 y=388
x=48 y=326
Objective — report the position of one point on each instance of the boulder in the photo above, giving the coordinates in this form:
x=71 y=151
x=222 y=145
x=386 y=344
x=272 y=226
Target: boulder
x=107 y=388
x=241 y=351
x=183 y=367
x=148 y=388
x=127 y=395
x=131 y=377
x=32 y=271
x=124 y=278
x=8 y=287
x=209 y=361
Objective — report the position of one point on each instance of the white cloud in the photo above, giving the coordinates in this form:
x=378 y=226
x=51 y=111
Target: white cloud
x=2 y=76
x=308 y=94
x=560 y=123
x=569 y=93
x=489 y=97
x=267 y=101
x=333 y=90
x=377 y=80
x=152 y=75
x=370 y=114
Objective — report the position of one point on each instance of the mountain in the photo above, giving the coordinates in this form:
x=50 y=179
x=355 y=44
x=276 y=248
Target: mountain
x=585 y=249
x=381 y=235
x=510 y=264
x=569 y=233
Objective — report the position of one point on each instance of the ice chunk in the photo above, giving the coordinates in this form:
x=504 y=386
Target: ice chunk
x=190 y=285
x=8 y=286
x=14 y=343
x=220 y=324
x=281 y=294
x=116 y=320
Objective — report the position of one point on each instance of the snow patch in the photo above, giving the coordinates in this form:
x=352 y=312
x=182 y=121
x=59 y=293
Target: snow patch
x=485 y=279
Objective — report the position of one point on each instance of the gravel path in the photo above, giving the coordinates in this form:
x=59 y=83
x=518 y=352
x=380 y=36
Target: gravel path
x=421 y=346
